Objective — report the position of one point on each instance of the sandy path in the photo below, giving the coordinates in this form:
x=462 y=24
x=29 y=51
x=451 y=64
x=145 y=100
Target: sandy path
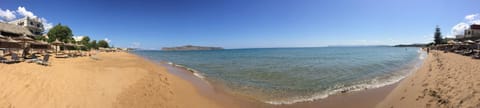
x=116 y=80
x=445 y=80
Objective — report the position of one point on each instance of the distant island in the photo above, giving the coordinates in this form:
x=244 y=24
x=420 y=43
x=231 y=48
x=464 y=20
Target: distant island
x=411 y=45
x=190 y=48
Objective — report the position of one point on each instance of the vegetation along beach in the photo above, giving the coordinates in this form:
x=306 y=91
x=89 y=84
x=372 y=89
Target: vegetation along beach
x=239 y=54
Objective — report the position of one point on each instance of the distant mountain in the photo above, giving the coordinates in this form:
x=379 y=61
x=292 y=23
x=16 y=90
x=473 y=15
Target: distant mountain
x=190 y=48
x=411 y=45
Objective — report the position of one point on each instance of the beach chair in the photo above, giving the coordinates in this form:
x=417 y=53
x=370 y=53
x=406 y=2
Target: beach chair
x=44 y=61
x=32 y=59
x=61 y=56
x=14 y=59
x=2 y=60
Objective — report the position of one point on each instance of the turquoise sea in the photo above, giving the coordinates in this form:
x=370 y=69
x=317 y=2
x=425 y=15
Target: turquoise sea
x=290 y=75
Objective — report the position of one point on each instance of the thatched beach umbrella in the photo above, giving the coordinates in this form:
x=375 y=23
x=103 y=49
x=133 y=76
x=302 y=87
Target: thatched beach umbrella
x=24 y=38
x=69 y=46
x=469 y=41
x=9 y=43
x=39 y=45
x=2 y=37
x=57 y=43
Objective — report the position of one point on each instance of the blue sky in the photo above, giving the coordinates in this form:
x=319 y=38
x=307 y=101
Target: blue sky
x=152 y=24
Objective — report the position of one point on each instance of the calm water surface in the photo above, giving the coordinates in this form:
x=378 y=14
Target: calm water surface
x=290 y=75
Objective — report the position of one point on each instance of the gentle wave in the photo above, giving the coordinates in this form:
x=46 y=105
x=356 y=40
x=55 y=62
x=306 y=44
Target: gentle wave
x=256 y=64
x=193 y=71
x=375 y=83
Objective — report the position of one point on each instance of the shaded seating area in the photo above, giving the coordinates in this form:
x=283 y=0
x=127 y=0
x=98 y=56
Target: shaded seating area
x=68 y=50
x=467 y=48
x=21 y=49
x=14 y=59
x=44 y=61
x=9 y=46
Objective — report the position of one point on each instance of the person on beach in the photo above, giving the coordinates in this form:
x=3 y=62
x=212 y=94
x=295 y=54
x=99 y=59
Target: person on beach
x=428 y=50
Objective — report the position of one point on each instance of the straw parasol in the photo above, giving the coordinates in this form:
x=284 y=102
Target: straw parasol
x=15 y=29
x=10 y=40
x=57 y=43
x=9 y=43
x=39 y=45
x=469 y=41
x=2 y=37
x=24 y=38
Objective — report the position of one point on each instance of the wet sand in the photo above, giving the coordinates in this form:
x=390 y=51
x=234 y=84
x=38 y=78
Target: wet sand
x=446 y=80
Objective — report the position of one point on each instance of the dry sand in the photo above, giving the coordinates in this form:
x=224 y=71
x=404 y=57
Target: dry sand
x=118 y=80
x=445 y=80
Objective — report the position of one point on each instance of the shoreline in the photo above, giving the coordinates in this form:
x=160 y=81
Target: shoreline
x=355 y=98
x=376 y=94
x=129 y=80
x=445 y=80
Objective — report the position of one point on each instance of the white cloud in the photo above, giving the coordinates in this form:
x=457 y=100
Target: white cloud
x=46 y=24
x=471 y=16
x=108 y=40
x=460 y=28
x=78 y=38
x=135 y=45
x=24 y=12
x=7 y=15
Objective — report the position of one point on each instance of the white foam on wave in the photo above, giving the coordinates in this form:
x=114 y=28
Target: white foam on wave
x=193 y=71
x=371 y=84
x=422 y=55
x=337 y=89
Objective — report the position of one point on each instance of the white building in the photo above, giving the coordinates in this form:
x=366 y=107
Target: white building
x=34 y=25
x=459 y=36
x=473 y=31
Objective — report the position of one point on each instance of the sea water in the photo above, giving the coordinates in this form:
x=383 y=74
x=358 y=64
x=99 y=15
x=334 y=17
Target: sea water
x=290 y=75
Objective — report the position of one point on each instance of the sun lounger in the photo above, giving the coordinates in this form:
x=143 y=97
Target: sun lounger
x=61 y=56
x=44 y=61
x=14 y=59
x=2 y=60
x=32 y=59
x=468 y=52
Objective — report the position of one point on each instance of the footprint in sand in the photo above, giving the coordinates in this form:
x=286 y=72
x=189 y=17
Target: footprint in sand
x=402 y=98
x=428 y=105
x=424 y=85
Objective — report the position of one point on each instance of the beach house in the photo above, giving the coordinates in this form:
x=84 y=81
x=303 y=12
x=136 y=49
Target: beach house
x=473 y=31
x=34 y=25
x=20 y=28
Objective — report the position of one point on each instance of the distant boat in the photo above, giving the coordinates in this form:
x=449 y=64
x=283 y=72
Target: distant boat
x=190 y=48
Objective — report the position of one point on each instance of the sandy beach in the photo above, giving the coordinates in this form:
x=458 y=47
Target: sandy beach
x=123 y=80
x=445 y=80
x=115 y=80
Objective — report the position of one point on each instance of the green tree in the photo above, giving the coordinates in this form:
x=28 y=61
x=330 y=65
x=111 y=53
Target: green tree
x=438 y=36
x=85 y=41
x=93 y=44
x=60 y=32
x=41 y=38
x=103 y=43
